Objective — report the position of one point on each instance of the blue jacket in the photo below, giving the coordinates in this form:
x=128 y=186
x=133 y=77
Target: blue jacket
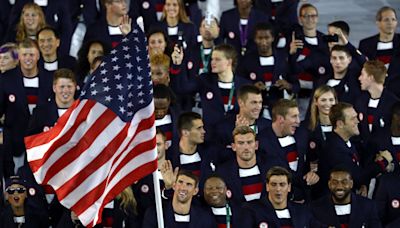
x=387 y=198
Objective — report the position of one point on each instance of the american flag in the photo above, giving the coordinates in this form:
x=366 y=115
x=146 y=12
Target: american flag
x=106 y=140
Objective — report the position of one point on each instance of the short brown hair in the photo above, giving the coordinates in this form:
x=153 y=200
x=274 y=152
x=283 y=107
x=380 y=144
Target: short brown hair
x=64 y=73
x=242 y=130
x=160 y=60
x=341 y=48
x=307 y=5
x=246 y=89
x=281 y=108
x=229 y=52
x=28 y=43
x=189 y=174
x=378 y=16
x=336 y=113
x=377 y=69
x=279 y=171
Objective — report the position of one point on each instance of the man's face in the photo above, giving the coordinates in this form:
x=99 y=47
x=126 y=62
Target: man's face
x=291 y=121
x=243 y=3
x=197 y=132
x=48 y=42
x=219 y=62
x=340 y=185
x=28 y=58
x=16 y=195
x=161 y=146
x=340 y=61
x=309 y=18
x=365 y=80
x=215 y=192
x=278 y=189
x=351 y=122
x=117 y=7
x=184 y=189
x=245 y=147
x=388 y=23
x=209 y=32
x=161 y=107
x=64 y=90
x=263 y=40
x=251 y=106
x=159 y=75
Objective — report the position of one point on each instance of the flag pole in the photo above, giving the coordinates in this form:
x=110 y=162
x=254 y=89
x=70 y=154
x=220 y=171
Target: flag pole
x=157 y=194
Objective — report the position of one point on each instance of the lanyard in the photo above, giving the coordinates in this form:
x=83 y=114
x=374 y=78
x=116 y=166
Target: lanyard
x=230 y=97
x=228 y=216
x=254 y=127
x=205 y=59
x=243 y=37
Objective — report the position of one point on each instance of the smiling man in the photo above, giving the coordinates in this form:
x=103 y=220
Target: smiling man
x=180 y=212
x=286 y=140
x=342 y=208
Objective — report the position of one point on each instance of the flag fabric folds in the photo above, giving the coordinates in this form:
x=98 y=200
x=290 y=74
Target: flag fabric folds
x=106 y=140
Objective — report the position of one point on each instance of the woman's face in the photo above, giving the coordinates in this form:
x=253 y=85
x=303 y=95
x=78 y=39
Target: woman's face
x=30 y=19
x=157 y=43
x=219 y=62
x=171 y=8
x=6 y=61
x=95 y=50
x=325 y=102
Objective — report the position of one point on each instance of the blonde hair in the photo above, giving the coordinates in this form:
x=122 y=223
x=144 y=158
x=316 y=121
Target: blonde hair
x=21 y=29
x=314 y=114
x=183 y=17
x=128 y=201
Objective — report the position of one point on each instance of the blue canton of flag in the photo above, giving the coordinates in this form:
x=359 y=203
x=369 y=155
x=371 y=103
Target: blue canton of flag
x=119 y=82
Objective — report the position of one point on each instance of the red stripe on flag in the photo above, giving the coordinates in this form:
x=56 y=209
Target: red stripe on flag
x=96 y=192
x=45 y=137
x=133 y=176
x=99 y=161
x=35 y=165
x=84 y=143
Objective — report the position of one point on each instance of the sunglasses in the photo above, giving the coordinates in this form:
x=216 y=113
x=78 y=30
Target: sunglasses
x=13 y=190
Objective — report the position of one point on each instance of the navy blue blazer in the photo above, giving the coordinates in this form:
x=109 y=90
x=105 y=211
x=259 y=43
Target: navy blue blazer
x=199 y=217
x=387 y=198
x=251 y=69
x=284 y=14
x=230 y=27
x=337 y=153
x=99 y=31
x=229 y=171
x=261 y=212
x=43 y=116
x=270 y=144
x=383 y=114
x=14 y=105
x=363 y=212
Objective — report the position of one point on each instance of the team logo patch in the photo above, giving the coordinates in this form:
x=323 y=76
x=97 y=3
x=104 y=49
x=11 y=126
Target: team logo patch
x=395 y=203
x=253 y=76
x=145 y=5
x=145 y=188
x=321 y=70
x=32 y=191
x=209 y=95
x=312 y=145
x=360 y=116
x=231 y=35
x=228 y=194
x=263 y=225
x=190 y=65
x=11 y=98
